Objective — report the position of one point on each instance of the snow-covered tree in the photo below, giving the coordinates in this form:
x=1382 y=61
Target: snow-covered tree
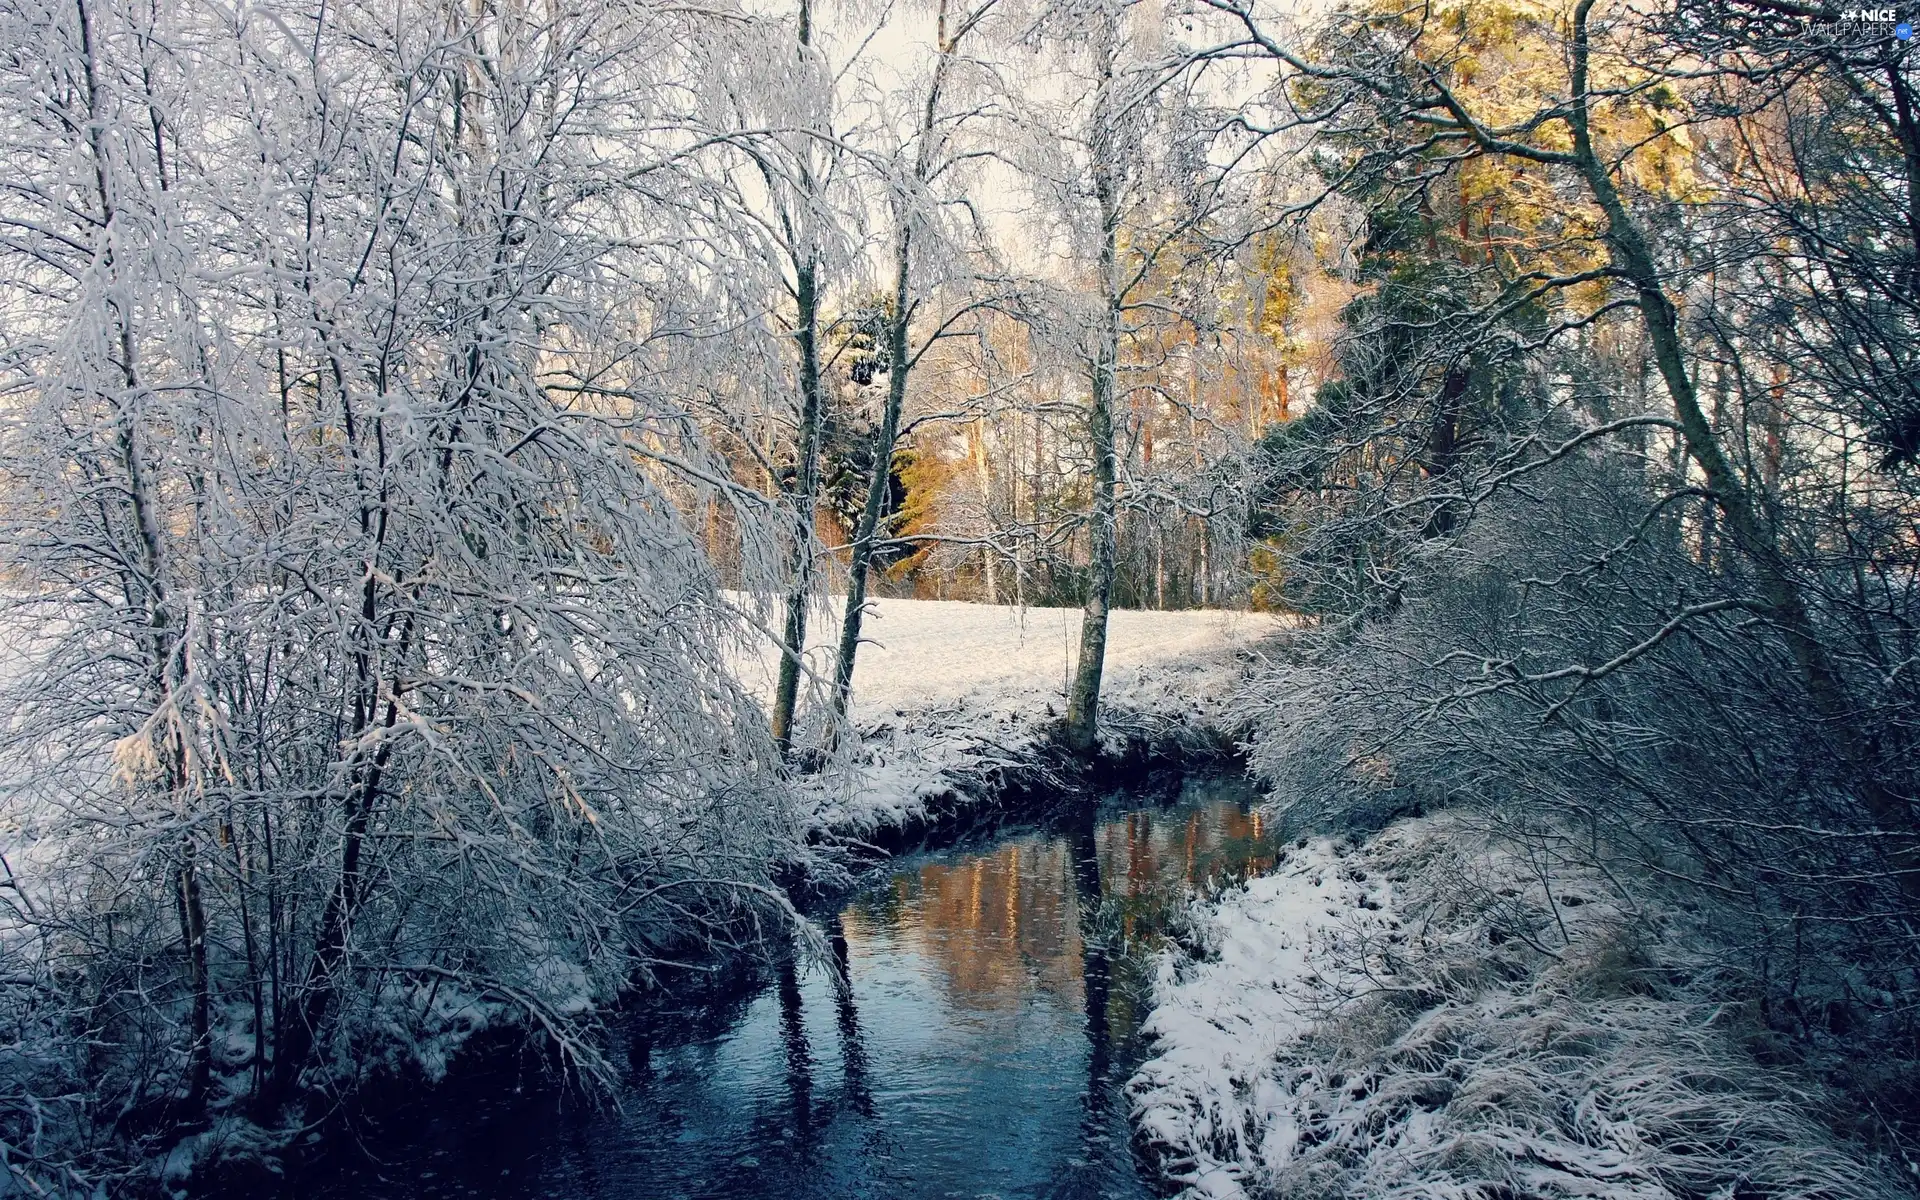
x=364 y=679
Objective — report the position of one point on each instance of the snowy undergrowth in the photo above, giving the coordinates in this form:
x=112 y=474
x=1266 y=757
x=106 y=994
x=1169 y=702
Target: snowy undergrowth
x=1433 y=1014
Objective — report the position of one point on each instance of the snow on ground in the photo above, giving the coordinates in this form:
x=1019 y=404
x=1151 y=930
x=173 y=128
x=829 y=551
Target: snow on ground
x=933 y=652
x=1270 y=967
x=944 y=690
x=1440 y=1013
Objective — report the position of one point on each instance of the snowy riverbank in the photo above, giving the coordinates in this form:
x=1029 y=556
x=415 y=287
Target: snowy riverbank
x=1431 y=1013
x=950 y=695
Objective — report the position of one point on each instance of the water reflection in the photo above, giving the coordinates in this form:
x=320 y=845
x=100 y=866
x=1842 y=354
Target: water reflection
x=998 y=924
x=968 y=1034
x=1005 y=921
x=793 y=1030
x=1096 y=973
x=853 y=1055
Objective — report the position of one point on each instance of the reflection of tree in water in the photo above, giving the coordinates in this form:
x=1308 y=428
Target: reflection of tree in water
x=853 y=1050
x=999 y=925
x=1005 y=923
x=793 y=1031
x=1099 y=936
x=1074 y=914
x=1205 y=849
x=805 y=1120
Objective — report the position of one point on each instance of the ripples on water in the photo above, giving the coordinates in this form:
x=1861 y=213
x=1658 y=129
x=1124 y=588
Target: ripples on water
x=979 y=1047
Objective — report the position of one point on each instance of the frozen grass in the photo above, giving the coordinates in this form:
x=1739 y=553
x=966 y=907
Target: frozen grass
x=1434 y=1015
x=1224 y=1013
x=945 y=691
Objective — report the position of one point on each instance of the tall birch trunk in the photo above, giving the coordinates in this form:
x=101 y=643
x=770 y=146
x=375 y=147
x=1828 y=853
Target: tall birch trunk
x=806 y=483
x=1083 y=701
x=806 y=487
x=899 y=365
x=867 y=531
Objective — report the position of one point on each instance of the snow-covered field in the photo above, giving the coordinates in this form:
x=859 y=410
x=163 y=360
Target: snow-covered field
x=939 y=652
x=944 y=689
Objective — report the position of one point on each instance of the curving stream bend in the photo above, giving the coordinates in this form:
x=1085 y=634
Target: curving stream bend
x=979 y=1048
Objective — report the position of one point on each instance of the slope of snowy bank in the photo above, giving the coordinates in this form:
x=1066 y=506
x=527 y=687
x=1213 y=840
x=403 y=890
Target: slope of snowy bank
x=1268 y=965
x=1436 y=1014
x=946 y=693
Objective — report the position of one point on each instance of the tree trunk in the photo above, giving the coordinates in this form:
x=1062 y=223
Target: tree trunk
x=806 y=486
x=1083 y=701
x=296 y=1043
x=983 y=475
x=148 y=586
x=1744 y=529
x=899 y=365
x=806 y=470
x=1159 y=566
x=1205 y=569
x=868 y=528
x=1634 y=258
x=193 y=933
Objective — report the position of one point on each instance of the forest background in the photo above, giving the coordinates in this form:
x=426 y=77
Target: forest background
x=410 y=414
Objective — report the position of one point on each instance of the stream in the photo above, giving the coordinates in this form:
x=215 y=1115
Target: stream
x=979 y=1048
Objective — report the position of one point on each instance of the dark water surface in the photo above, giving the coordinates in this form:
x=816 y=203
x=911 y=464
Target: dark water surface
x=979 y=1049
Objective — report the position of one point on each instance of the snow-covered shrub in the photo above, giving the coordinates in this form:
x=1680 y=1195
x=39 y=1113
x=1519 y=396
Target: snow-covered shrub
x=1533 y=1038
x=1567 y=669
x=363 y=683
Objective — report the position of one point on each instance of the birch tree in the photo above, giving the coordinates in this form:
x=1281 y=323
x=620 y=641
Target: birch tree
x=1109 y=178
x=1129 y=197
x=936 y=150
